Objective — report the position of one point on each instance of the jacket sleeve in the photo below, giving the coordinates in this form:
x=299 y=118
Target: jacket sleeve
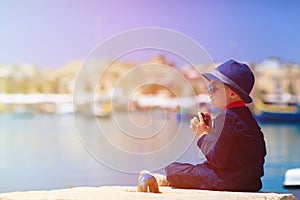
x=206 y=143
x=217 y=149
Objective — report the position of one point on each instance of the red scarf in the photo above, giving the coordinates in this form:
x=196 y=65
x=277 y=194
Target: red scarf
x=235 y=104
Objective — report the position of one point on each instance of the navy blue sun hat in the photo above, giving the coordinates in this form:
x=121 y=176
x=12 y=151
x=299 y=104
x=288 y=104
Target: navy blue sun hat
x=237 y=76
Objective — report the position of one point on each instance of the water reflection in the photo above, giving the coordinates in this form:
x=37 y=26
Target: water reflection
x=44 y=152
x=283 y=142
x=117 y=142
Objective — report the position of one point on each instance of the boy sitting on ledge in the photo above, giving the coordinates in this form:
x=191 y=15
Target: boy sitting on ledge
x=232 y=142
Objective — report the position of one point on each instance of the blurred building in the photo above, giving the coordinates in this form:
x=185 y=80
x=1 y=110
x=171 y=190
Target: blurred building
x=274 y=75
x=164 y=78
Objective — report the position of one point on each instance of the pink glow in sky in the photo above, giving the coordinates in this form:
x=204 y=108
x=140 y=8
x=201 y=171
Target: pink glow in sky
x=52 y=33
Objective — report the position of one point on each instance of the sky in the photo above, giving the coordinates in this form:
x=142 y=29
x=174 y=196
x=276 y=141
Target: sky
x=52 y=33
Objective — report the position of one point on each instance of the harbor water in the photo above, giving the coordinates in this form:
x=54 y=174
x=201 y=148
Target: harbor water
x=43 y=152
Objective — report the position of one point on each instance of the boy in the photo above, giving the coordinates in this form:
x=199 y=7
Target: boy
x=232 y=142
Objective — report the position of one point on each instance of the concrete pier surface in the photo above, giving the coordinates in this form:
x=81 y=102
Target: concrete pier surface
x=130 y=193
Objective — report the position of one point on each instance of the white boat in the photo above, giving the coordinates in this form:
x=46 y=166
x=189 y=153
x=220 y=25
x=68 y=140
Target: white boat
x=292 y=178
x=101 y=108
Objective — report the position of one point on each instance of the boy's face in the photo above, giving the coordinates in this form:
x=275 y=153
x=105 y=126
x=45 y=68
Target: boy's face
x=218 y=94
x=221 y=95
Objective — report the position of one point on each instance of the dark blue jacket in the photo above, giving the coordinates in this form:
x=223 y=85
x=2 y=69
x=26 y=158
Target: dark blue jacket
x=235 y=158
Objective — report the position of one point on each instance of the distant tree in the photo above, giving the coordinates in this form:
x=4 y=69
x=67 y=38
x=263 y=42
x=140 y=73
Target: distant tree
x=291 y=88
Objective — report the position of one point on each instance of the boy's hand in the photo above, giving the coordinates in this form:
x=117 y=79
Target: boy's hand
x=199 y=127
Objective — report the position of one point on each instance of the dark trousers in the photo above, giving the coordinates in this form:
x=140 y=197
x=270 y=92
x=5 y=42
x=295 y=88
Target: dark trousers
x=185 y=175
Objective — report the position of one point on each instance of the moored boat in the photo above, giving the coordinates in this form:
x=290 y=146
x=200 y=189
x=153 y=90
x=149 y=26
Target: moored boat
x=277 y=112
x=292 y=181
x=292 y=178
x=101 y=107
x=277 y=107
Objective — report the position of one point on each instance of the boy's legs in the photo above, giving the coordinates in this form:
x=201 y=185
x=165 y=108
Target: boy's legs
x=184 y=175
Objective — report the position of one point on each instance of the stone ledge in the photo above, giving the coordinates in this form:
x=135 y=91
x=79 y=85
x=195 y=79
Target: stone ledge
x=129 y=193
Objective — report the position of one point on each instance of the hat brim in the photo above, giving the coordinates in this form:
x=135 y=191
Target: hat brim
x=211 y=77
x=242 y=93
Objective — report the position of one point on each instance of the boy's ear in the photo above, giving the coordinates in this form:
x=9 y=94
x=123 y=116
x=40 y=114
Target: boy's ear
x=234 y=95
